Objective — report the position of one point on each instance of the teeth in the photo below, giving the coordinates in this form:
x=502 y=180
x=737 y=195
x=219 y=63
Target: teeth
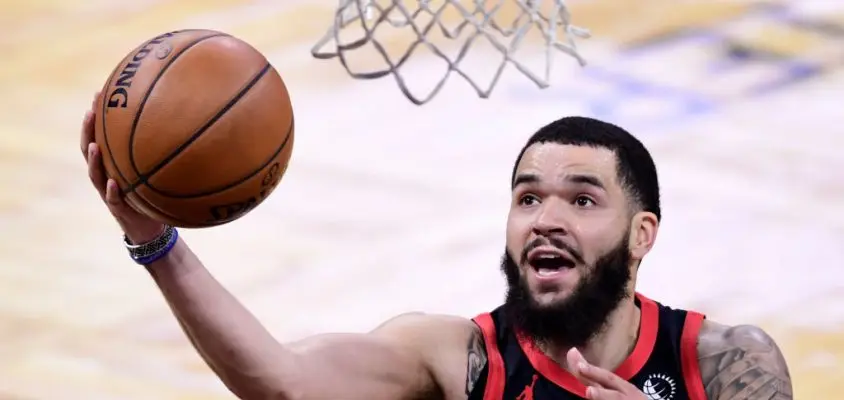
x=548 y=256
x=547 y=272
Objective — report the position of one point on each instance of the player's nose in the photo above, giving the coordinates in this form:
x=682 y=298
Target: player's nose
x=552 y=219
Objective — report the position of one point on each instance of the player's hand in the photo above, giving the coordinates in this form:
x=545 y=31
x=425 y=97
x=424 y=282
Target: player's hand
x=138 y=227
x=600 y=383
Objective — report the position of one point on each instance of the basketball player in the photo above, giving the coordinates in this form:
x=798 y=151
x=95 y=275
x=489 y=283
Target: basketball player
x=585 y=212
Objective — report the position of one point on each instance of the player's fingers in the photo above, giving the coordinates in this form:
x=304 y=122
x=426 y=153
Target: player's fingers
x=574 y=360
x=117 y=204
x=95 y=169
x=600 y=376
x=86 y=134
x=599 y=393
x=94 y=101
x=113 y=197
x=583 y=379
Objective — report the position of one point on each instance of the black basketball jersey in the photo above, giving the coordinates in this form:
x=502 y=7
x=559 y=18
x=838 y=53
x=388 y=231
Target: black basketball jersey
x=663 y=363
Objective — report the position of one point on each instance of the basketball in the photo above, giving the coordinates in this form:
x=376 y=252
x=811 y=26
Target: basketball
x=196 y=128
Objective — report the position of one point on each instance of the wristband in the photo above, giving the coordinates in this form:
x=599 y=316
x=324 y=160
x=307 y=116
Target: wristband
x=155 y=249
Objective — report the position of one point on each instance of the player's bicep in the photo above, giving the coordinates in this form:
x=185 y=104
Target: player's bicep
x=358 y=366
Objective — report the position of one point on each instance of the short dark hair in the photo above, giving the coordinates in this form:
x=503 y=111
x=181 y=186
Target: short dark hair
x=634 y=165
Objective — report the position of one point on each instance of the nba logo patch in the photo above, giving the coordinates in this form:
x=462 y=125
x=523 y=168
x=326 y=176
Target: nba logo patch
x=659 y=387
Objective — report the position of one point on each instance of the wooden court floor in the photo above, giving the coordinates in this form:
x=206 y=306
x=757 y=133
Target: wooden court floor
x=389 y=207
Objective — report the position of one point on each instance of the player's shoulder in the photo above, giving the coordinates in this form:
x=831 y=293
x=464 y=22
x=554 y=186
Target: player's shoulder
x=423 y=328
x=741 y=360
x=421 y=319
x=715 y=336
x=451 y=347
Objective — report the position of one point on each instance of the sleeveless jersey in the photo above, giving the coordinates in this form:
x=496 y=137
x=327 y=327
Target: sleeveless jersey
x=663 y=364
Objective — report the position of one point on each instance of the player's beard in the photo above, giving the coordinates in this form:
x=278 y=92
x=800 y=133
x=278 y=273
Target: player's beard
x=573 y=321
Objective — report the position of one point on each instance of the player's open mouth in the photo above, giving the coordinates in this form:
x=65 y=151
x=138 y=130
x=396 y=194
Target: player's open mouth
x=548 y=261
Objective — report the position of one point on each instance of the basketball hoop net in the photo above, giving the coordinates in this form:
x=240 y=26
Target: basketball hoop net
x=397 y=29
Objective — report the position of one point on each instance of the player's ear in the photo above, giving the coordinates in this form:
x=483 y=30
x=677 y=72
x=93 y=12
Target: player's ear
x=643 y=228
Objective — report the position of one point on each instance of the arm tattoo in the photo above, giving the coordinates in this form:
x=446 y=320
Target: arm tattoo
x=742 y=363
x=477 y=358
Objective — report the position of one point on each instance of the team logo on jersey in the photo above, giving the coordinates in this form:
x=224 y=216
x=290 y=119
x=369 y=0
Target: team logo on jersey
x=659 y=387
x=527 y=394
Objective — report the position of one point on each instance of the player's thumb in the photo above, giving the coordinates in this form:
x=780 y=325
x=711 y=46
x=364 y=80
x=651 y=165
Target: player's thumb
x=118 y=206
x=112 y=197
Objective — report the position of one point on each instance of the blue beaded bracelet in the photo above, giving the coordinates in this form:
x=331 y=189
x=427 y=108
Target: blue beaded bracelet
x=161 y=253
x=155 y=249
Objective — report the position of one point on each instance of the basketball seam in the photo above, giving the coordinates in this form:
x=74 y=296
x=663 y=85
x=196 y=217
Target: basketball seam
x=232 y=184
x=169 y=216
x=143 y=179
x=104 y=114
x=142 y=106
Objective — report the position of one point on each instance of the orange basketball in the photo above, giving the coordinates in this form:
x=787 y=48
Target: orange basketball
x=196 y=127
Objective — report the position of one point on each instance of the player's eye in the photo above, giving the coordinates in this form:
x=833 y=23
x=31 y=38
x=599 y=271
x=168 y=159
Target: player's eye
x=584 y=201
x=528 y=200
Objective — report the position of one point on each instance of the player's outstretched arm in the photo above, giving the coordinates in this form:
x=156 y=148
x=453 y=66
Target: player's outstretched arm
x=392 y=362
x=396 y=361
x=741 y=363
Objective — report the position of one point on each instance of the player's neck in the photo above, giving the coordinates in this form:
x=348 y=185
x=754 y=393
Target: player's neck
x=612 y=346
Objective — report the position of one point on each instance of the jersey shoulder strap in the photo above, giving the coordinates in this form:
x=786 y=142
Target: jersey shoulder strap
x=495 y=373
x=689 y=363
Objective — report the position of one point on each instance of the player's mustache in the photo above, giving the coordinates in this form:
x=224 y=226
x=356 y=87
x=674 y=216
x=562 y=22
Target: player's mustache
x=553 y=241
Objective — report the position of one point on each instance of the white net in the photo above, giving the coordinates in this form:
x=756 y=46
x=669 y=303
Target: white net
x=396 y=31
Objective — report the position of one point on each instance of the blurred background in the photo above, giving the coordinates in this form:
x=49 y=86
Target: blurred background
x=388 y=207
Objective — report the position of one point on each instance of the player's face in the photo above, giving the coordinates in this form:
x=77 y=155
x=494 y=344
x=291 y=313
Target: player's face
x=568 y=216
